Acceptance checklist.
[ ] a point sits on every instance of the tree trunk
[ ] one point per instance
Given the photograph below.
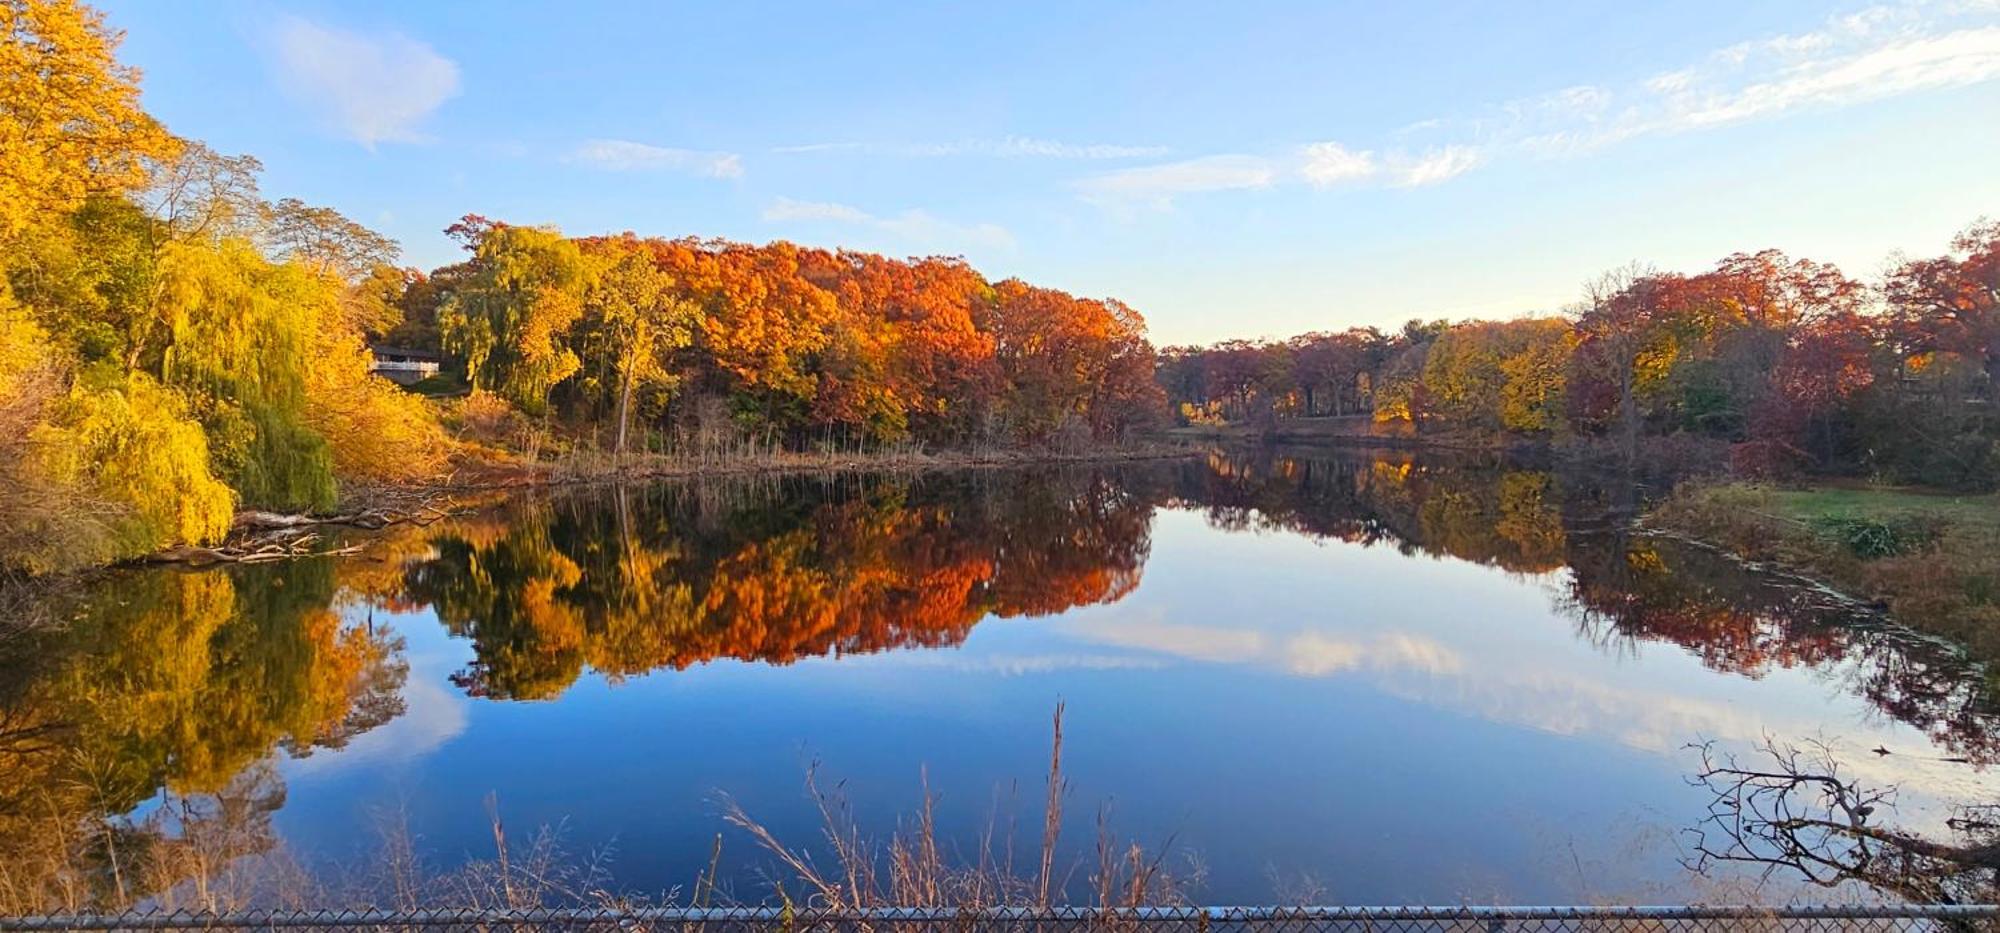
(624, 411)
(1628, 414)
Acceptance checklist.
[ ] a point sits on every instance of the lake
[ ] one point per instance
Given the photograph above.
(1347, 678)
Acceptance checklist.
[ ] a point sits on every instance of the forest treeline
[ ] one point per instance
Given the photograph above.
(1790, 362)
(174, 346)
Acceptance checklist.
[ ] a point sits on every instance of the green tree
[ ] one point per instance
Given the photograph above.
(636, 322)
(509, 319)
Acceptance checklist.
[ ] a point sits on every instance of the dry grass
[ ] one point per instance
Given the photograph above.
(910, 868)
(585, 464)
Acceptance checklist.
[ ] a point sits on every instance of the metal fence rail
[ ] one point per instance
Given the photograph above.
(1887, 919)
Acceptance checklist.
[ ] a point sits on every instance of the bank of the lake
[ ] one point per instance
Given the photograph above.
(1931, 559)
(594, 467)
(259, 535)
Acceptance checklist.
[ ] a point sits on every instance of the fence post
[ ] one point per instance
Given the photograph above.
(1496, 924)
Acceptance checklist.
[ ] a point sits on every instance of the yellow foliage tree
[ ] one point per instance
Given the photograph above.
(377, 431)
(70, 122)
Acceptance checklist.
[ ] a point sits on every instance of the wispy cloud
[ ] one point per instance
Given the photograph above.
(372, 88)
(624, 155)
(1009, 147)
(1879, 52)
(911, 228)
(1329, 164)
(1434, 166)
(1160, 184)
(1321, 165)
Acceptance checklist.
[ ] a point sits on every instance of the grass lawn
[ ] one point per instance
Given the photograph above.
(1884, 504)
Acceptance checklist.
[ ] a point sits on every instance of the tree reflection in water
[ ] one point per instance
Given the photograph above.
(671, 576)
(137, 742)
(172, 690)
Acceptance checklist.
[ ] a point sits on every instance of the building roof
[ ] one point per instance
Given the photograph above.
(410, 352)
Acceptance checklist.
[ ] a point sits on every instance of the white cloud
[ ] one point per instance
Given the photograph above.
(1434, 166)
(785, 209)
(1005, 147)
(1160, 184)
(1889, 69)
(912, 227)
(372, 88)
(1305, 653)
(1310, 654)
(1877, 53)
(623, 155)
(1328, 164)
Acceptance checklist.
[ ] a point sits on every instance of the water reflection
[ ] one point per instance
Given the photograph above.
(1622, 587)
(145, 726)
(668, 577)
(148, 735)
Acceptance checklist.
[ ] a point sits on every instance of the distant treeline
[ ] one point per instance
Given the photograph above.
(1792, 363)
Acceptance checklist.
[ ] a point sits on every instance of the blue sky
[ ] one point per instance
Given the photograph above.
(1228, 169)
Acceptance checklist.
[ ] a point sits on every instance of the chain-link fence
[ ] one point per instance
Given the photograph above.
(1886, 919)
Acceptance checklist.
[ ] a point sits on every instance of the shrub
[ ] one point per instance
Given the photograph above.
(488, 420)
(1872, 539)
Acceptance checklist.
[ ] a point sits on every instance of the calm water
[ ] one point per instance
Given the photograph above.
(1406, 681)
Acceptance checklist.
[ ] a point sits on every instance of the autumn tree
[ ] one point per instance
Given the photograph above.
(1951, 304)
(325, 240)
(510, 318)
(1622, 341)
(70, 122)
(1495, 376)
(908, 340)
(1068, 364)
(636, 319)
(761, 326)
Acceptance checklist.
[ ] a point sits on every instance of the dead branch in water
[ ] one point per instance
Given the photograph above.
(259, 536)
(257, 553)
(418, 511)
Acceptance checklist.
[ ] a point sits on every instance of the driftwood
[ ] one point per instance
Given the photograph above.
(259, 536)
(250, 552)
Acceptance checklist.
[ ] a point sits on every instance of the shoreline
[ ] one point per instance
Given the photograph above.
(1924, 559)
(607, 469)
(260, 536)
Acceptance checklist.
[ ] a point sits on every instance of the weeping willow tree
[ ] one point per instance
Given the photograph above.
(508, 321)
(241, 335)
(135, 471)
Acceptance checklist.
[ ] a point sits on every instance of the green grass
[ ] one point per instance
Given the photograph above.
(1884, 504)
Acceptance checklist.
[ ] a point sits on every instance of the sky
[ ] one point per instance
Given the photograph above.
(1254, 169)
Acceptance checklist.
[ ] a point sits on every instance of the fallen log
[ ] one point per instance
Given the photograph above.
(422, 512)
